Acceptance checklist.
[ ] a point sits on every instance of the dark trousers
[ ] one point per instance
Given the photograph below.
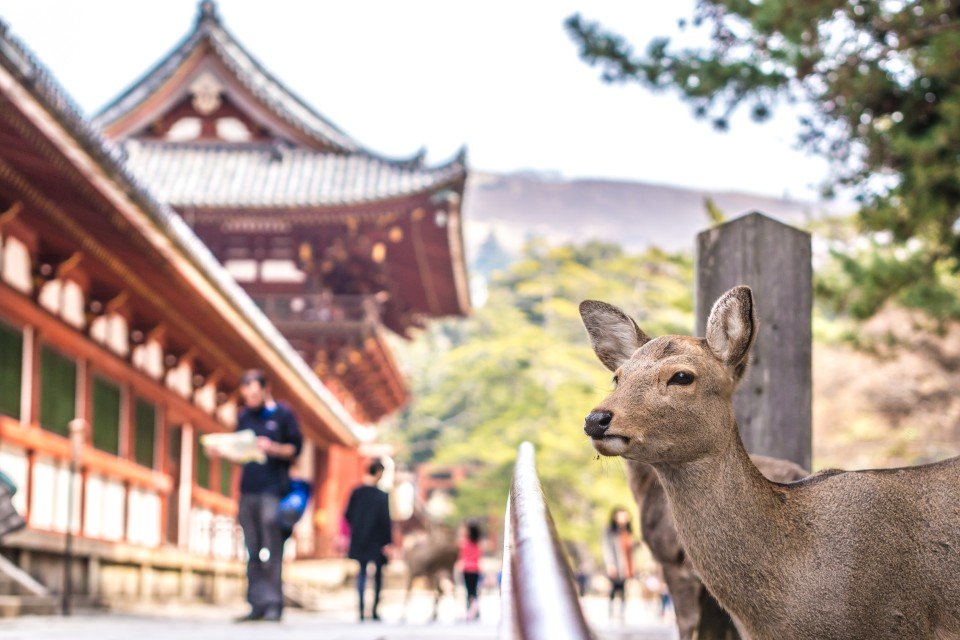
(618, 587)
(471, 580)
(258, 518)
(377, 583)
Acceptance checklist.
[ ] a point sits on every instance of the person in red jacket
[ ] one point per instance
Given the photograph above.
(469, 560)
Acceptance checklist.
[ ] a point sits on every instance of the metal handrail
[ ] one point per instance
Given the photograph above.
(538, 600)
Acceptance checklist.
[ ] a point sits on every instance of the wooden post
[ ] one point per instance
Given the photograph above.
(773, 404)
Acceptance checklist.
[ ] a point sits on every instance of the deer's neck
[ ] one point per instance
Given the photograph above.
(728, 516)
(641, 475)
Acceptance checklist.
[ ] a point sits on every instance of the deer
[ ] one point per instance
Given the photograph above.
(872, 553)
(432, 556)
(698, 615)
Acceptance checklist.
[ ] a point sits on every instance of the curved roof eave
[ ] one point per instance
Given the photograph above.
(267, 176)
(273, 94)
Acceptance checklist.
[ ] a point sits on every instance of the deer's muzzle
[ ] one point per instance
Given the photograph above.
(596, 423)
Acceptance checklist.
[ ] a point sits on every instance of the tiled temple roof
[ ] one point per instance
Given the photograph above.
(279, 99)
(274, 175)
(337, 170)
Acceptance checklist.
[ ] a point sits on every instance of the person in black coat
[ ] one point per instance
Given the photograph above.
(368, 514)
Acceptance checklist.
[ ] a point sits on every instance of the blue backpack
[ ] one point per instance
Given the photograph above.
(293, 505)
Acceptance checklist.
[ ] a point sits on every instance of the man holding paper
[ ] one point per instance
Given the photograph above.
(262, 485)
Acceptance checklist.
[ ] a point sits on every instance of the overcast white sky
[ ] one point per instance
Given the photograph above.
(501, 77)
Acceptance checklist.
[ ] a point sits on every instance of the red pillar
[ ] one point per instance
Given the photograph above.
(338, 470)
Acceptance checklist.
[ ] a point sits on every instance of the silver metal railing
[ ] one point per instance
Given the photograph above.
(537, 597)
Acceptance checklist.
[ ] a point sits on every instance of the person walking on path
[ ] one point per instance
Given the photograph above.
(618, 548)
(368, 514)
(262, 486)
(469, 560)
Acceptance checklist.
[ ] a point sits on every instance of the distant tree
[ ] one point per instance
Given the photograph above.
(714, 213)
(492, 256)
(879, 81)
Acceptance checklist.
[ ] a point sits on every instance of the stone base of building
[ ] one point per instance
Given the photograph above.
(108, 573)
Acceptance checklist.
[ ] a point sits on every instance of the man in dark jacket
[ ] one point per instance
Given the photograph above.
(261, 488)
(368, 514)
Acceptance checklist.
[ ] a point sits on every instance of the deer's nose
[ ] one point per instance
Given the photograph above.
(596, 423)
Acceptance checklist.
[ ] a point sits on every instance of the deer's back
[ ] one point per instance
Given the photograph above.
(880, 547)
(431, 556)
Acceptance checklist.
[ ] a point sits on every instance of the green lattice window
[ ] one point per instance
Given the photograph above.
(226, 477)
(202, 466)
(106, 415)
(11, 369)
(58, 391)
(145, 432)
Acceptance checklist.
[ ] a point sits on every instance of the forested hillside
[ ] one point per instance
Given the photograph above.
(520, 369)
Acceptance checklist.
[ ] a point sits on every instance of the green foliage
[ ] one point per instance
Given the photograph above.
(866, 271)
(880, 82)
(714, 213)
(522, 369)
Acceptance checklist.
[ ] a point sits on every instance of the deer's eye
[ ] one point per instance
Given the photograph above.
(683, 378)
(616, 380)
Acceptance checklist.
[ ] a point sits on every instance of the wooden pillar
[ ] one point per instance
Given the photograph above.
(25, 560)
(184, 497)
(147, 580)
(84, 411)
(93, 576)
(331, 490)
(220, 589)
(126, 437)
(188, 588)
(773, 404)
(30, 405)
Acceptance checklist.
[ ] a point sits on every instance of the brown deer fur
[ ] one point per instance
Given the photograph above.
(433, 557)
(695, 617)
(871, 554)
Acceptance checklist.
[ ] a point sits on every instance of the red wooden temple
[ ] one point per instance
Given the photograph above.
(332, 240)
(122, 244)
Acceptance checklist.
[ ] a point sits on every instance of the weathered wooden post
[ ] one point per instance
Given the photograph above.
(773, 404)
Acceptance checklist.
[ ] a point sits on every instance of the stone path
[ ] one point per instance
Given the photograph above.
(338, 623)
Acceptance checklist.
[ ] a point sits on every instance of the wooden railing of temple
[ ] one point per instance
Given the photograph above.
(538, 600)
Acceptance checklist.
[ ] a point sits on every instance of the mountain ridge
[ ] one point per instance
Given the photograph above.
(635, 214)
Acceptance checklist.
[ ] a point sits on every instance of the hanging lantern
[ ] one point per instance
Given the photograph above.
(379, 252)
(395, 234)
(305, 253)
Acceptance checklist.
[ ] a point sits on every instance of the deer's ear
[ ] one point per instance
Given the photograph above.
(732, 328)
(613, 334)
